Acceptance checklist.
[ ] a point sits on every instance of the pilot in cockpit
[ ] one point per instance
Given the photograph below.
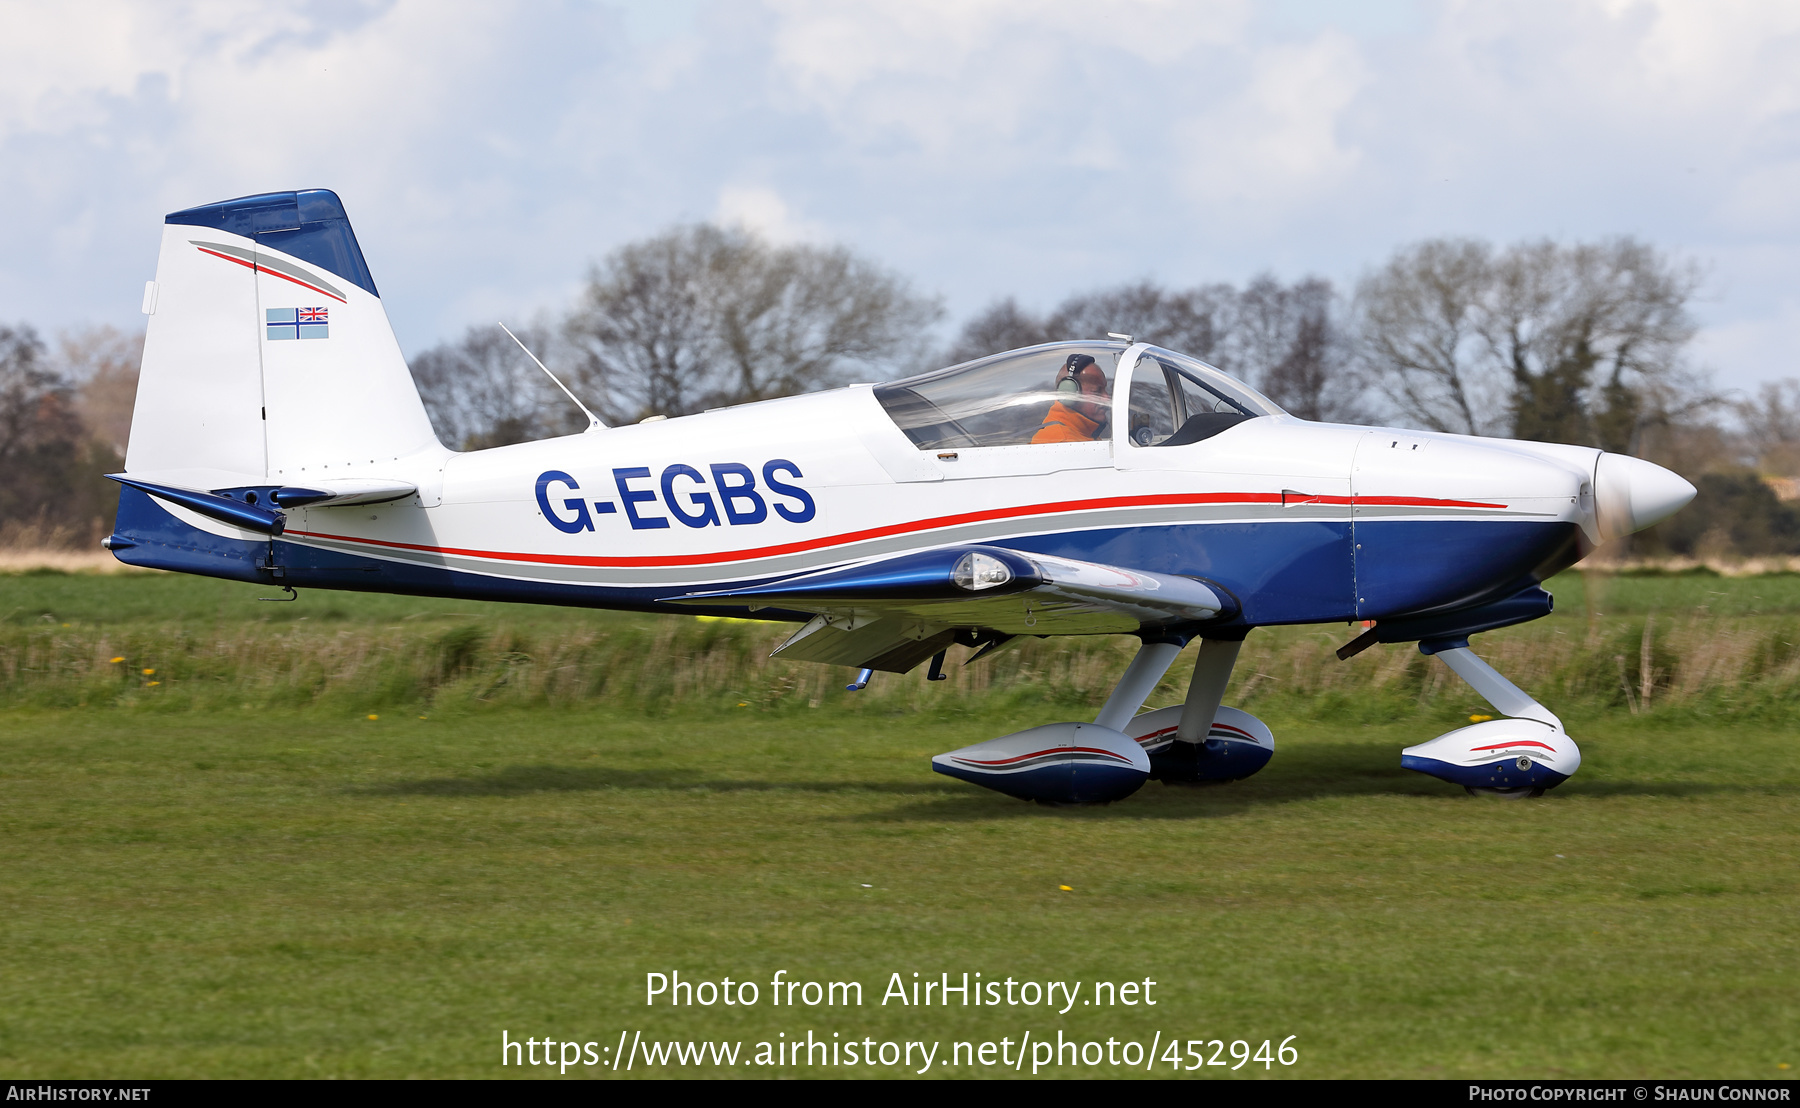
(1073, 418)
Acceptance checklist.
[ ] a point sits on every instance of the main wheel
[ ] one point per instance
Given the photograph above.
(1522, 792)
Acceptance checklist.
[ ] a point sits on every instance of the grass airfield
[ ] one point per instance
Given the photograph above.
(211, 884)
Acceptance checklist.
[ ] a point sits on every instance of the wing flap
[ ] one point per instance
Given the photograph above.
(890, 645)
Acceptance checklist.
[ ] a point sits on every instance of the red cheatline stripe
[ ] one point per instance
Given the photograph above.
(272, 273)
(1522, 742)
(874, 532)
(1042, 753)
(1226, 727)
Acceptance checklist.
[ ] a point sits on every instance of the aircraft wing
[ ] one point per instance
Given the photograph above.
(893, 613)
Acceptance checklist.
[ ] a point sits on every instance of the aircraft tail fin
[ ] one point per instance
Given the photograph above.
(269, 358)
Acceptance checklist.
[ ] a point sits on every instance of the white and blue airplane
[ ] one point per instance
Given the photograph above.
(1082, 488)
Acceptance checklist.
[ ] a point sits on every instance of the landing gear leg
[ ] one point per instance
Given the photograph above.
(1212, 672)
(1202, 741)
(1507, 698)
(1139, 681)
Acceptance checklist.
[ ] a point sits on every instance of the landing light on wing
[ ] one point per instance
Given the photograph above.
(977, 571)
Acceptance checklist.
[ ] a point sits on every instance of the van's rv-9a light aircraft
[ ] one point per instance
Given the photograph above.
(278, 438)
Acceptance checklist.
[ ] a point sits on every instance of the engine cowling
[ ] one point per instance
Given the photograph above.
(1504, 755)
(1060, 763)
(1236, 746)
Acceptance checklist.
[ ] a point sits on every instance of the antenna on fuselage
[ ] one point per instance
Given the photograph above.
(593, 420)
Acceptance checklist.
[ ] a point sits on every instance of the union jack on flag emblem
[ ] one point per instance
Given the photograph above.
(298, 323)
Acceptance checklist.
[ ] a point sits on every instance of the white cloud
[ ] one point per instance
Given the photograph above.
(957, 76)
(488, 151)
(1278, 141)
(764, 211)
(62, 64)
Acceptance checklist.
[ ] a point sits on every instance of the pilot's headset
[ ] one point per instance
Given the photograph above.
(1068, 383)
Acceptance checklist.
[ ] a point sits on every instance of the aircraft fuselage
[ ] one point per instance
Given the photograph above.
(1300, 522)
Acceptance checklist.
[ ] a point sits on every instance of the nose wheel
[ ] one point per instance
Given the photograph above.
(1521, 793)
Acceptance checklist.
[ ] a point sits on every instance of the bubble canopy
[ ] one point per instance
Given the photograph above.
(1010, 399)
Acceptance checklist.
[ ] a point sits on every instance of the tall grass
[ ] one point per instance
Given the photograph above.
(1669, 665)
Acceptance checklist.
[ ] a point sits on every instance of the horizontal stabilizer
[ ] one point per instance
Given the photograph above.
(213, 506)
(336, 493)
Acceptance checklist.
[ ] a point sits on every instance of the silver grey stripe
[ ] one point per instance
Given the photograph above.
(262, 259)
(1397, 511)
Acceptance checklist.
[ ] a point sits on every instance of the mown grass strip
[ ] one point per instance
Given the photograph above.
(295, 895)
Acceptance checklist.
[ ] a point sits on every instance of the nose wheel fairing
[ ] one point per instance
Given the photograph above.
(1526, 753)
(1498, 754)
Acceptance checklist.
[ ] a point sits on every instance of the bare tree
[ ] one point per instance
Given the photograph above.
(1771, 427)
(1003, 325)
(1588, 333)
(644, 329)
(481, 390)
(1194, 321)
(53, 491)
(102, 365)
(1287, 341)
(1282, 338)
(1577, 344)
(798, 318)
(1264, 326)
(1417, 320)
(702, 316)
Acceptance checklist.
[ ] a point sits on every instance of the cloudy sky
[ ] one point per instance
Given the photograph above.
(488, 152)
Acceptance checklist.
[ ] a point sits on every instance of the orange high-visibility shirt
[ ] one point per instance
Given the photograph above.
(1065, 424)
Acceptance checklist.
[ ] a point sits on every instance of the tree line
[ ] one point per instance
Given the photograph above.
(1582, 344)
(65, 415)
(698, 317)
(1585, 343)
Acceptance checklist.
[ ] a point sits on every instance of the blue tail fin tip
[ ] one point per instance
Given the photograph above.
(309, 224)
